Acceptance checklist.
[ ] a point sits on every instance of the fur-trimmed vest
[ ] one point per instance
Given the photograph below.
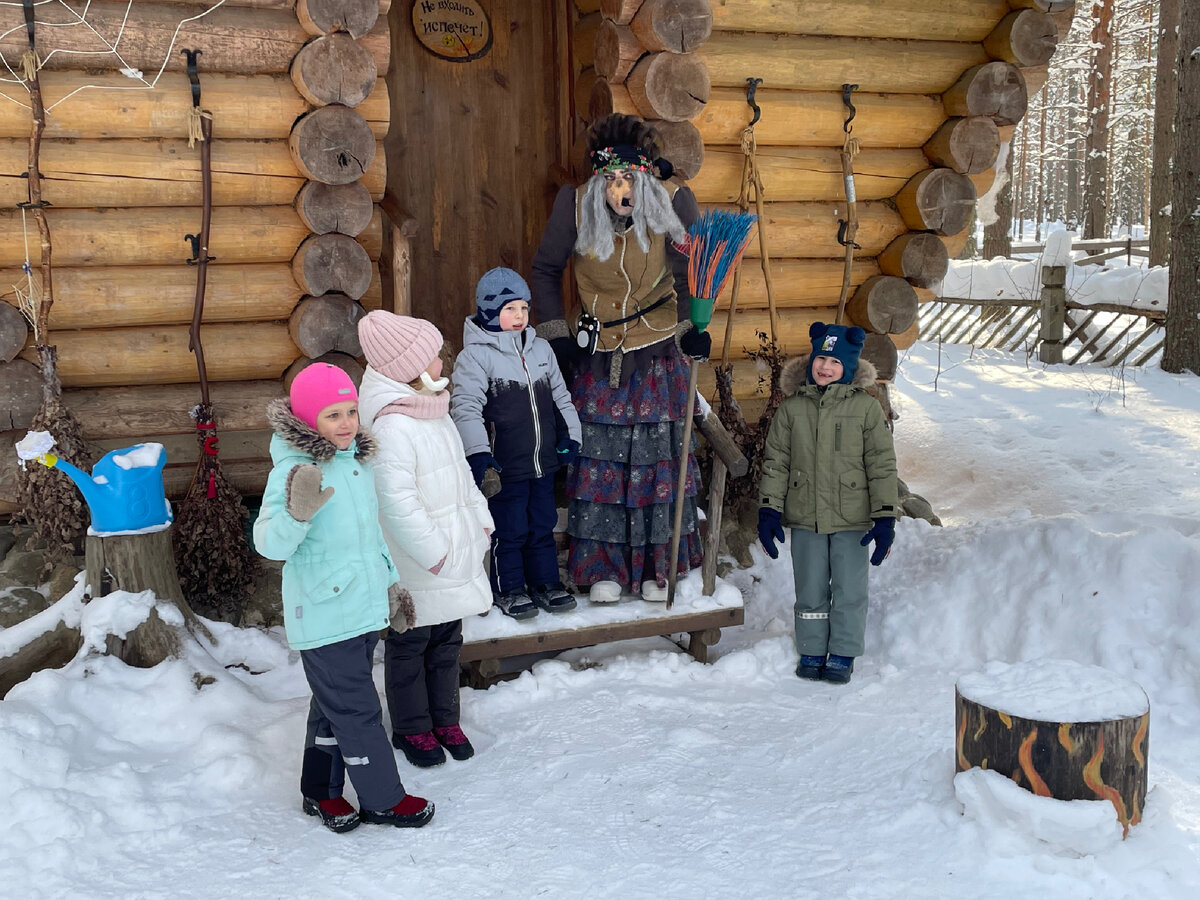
(829, 463)
(336, 568)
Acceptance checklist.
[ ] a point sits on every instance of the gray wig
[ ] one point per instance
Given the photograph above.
(652, 213)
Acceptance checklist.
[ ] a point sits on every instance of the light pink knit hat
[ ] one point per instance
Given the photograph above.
(398, 347)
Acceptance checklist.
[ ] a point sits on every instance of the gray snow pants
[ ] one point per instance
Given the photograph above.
(345, 727)
(831, 592)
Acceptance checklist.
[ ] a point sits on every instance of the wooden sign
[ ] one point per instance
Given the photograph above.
(458, 30)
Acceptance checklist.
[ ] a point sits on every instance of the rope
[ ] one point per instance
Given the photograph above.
(30, 63)
(848, 227)
(196, 117)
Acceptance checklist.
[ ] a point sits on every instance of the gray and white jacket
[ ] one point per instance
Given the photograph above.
(510, 400)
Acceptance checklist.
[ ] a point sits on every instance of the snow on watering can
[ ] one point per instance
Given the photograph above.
(125, 490)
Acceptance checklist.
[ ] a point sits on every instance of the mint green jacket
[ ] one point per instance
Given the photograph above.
(336, 568)
(829, 463)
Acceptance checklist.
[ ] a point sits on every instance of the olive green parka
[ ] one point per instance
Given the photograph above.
(829, 463)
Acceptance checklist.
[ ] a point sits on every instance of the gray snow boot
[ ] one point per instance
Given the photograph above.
(516, 605)
(552, 597)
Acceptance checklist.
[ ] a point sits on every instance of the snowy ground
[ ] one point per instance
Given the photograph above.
(1070, 499)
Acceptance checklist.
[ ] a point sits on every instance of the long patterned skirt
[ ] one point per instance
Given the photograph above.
(622, 489)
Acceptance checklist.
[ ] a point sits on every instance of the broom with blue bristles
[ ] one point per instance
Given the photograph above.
(716, 242)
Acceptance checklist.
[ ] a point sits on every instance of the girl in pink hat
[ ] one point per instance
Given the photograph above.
(437, 526)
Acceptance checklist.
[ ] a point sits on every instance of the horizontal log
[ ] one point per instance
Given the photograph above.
(983, 181)
(968, 145)
(384, 5)
(1025, 37)
(325, 208)
(583, 40)
(328, 322)
(796, 282)
(183, 450)
(125, 413)
(806, 173)
(937, 200)
(907, 338)
(809, 230)
(334, 68)
(332, 144)
(671, 86)
(323, 16)
(682, 145)
(807, 63)
(247, 476)
(884, 304)
(749, 379)
(677, 26)
(21, 388)
(801, 119)
(14, 330)
(955, 243)
(607, 98)
(617, 49)
(149, 35)
(259, 107)
(880, 351)
(125, 356)
(332, 262)
(793, 329)
(995, 89)
(917, 256)
(83, 173)
(155, 236)
(619, 11)
(947, 20)
(112, 297)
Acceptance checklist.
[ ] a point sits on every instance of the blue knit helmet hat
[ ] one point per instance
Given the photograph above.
(839, 341)
(497, 288)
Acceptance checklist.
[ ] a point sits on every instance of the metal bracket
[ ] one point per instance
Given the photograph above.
(751, 87)
(193, 76)
(847, 90)
(194, 240)
(841, 238)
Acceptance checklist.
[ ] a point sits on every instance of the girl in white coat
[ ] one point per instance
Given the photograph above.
(437, 527)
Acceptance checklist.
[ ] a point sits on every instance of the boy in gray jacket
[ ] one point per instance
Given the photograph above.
(514, 413)
(829, 473)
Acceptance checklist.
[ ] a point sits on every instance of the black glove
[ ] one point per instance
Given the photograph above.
(883, 532)
(770, 530)
(480, 463)
(568, 451)
(567, 352)
(696, 344)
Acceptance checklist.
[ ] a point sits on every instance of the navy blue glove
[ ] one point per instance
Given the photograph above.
(568, 451)
(696, 344)
(883, 532)
(770, 530)
(480, 463)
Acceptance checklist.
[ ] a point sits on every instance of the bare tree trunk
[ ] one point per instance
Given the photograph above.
(1039, 208)
(1182, 349)
(997, 237)
(1164, 135)
(1099, 103)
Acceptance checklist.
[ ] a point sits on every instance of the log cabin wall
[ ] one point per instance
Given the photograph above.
(299, 109)
(940, 84)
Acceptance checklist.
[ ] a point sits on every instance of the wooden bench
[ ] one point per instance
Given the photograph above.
(490, 639)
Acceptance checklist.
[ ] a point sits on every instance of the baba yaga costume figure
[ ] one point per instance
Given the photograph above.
(829, 474)
(437, 527)
(319, 516)
(514, 413)
(625, 229)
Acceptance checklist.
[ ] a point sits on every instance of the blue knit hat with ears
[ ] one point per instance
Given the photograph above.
(839, 341)
(497, 288)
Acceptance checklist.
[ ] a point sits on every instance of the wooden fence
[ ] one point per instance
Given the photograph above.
(1053, 326)
(1099, 251)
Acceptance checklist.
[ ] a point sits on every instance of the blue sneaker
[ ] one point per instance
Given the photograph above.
(837, 669)
(810, 667)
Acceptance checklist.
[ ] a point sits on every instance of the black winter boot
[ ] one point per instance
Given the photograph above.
(837, 669)
(336, 813)
(516, 605)
(411, 812)
(552, 598)
(422, 750)
(810, 667)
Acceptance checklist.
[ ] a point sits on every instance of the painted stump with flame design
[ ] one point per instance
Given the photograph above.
(1058, 729)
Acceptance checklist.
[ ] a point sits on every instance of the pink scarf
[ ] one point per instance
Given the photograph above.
(419, 406)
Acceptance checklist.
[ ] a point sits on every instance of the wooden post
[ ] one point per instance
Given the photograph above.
(1053, 313)
(712, 540)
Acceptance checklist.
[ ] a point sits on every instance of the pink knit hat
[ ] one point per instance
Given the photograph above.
(398, 347)
(318, 386)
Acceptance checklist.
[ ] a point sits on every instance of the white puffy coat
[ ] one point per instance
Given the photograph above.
(429, 506)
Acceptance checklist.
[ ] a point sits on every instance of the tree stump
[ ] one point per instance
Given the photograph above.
(136, 563)
(1059, 729)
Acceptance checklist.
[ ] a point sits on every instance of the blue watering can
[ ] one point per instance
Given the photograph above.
(125, 490)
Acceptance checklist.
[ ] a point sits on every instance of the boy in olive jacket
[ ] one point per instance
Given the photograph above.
(829, 474)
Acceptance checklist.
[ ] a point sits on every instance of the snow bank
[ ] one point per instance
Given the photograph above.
(1013, 279)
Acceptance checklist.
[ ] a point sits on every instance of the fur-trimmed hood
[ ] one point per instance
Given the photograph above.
(303, 438)
(795, 374)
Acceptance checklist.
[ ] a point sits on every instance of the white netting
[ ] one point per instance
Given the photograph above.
(59, 14)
